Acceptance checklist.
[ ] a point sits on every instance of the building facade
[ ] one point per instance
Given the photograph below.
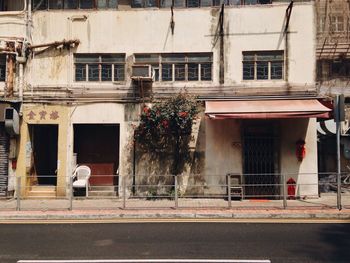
(333, 76)
(75, 71)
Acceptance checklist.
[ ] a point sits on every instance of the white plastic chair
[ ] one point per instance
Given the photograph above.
(82, 174)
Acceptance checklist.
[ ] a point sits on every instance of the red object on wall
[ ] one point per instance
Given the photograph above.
(14, 164)
(300, 150)
(291, 188)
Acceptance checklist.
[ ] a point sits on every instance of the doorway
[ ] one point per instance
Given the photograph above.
(44, 142)
(97, 146)
(261, 159)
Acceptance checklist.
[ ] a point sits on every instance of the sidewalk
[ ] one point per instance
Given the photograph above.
(135, 209)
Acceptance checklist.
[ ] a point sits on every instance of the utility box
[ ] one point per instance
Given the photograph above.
(11, 121)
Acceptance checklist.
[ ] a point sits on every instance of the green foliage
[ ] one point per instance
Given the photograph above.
(166, 127)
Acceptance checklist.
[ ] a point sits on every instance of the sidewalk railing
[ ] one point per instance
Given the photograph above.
(182, 191)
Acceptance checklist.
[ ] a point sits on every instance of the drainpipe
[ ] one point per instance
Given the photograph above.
(222, 56)
(134, 167)
(21, 61)
(286, 32)
(29, 21)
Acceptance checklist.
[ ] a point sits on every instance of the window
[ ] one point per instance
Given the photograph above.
(321, 24)
(144, 3)
(263, 65)
(337, 23)
(99, 67)
(103, 4)
(340, 68)
(193, 3)
(11, 5)
(73, 4)
(2, 67)
(178, 66)
(333, 69)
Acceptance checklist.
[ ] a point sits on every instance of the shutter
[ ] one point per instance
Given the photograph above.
(4, 154)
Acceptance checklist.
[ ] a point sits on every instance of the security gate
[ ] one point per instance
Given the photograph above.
(4, 154)
(260, 155)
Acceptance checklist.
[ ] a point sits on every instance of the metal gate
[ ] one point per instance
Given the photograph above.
(4, 154)
(261, 161)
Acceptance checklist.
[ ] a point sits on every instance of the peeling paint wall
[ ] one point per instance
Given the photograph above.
(149, 32)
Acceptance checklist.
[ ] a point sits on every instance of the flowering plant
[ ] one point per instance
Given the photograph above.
(167, 126)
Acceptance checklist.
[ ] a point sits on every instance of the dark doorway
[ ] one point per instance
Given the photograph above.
(44, 140)
(261, 158)
(97, 145)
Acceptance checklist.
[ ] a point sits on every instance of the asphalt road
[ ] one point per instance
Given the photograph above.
(274, 241)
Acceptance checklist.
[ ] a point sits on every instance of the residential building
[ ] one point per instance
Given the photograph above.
(333, 76)
(77, 74)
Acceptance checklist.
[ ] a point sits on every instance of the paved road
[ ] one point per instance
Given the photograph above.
(274, 241)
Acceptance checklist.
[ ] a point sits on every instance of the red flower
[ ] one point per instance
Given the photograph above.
(183, 114)
(147, 111)
(165, 124)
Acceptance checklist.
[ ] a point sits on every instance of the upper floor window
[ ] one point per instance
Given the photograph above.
(337, 23)
(2, 67)
(193, 3)
(263, 65)
(73, 4)
(99, 67)
(321, 24)
(333, 69)
(12, 5)
(176, 66)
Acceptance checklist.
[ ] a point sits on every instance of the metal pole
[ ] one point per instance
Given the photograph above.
(337, 119)
(124, 193)
(229, 191)
(18, 194)
(176, 197)
(70, 193)
(284, 188)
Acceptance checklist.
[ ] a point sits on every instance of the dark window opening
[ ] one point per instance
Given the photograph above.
(333, 69)
(11, 5)
(2, 67)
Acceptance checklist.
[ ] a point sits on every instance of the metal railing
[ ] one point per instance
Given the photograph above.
(181, 191)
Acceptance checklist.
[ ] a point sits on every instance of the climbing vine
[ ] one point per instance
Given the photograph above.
(166, 128)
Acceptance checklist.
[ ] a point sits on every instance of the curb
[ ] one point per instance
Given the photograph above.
(183, 216)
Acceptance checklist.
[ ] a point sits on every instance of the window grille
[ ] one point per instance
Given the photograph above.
(178, 66)
(263, 65)
(99, 67)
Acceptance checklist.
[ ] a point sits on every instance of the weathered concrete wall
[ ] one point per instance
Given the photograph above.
(151, 34)
(305, 172)
(223, 153)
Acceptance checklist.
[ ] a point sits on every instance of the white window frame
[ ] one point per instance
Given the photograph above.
(186, 62)
(100, 63)
(269, 62)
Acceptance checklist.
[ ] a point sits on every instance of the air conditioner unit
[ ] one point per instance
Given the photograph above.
(11, 121)
(142, 79)
(142, 71)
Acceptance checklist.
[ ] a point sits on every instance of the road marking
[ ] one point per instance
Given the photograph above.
(149, 261)
(174, 220)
